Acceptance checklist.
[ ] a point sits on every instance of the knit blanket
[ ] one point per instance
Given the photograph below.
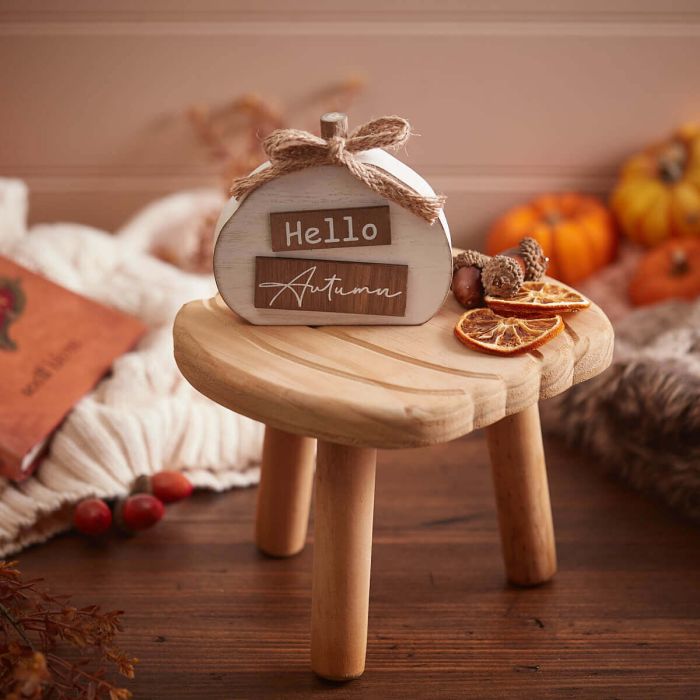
(144, 417)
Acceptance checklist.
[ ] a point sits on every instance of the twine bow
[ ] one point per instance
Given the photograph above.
(290, 150)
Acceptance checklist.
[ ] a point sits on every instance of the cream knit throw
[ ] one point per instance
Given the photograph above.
(145, 416)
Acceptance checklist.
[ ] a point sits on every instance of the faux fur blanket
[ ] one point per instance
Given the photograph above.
(144, 417)
(642, 416)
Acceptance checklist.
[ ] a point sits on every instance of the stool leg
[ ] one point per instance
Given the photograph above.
(522, 497)
(342, 554)
(284, 495)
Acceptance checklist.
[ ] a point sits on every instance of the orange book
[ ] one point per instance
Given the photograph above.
(55, 345)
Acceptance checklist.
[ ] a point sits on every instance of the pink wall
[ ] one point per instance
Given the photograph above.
(510, 97)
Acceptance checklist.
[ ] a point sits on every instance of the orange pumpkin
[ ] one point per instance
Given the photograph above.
(575, 231)
(670, 271)
(658, 193)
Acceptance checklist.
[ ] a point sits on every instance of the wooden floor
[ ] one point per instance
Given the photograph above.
(211, 618)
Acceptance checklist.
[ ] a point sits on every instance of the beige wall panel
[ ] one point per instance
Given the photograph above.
(509, 98)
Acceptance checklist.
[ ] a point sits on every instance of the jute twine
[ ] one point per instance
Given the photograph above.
(290, 150)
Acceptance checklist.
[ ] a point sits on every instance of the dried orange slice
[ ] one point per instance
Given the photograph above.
(482, 329)
(539, 299)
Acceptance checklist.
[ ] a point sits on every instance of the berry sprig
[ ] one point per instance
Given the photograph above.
(142, 509)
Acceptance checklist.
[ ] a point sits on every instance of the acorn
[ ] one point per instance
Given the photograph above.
(530, 257)
(466, 278)
(504, 274)
(475, 274)
(467, 287)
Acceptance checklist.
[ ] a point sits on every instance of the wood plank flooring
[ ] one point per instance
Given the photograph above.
(211, 618)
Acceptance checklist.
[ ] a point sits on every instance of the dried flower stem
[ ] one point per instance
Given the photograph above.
(232, 133)
(8, 616)
(35, 627)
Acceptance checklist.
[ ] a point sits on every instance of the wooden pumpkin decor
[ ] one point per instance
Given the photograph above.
(576, 233)
(334, 230)
(658, 193)
(670, 271)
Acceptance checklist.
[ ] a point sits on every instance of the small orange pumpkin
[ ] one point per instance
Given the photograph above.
(670, 271)
(576, 233)
(658, 193)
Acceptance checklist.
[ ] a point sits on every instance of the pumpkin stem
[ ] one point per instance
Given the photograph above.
(552, 218)
(672, 162)
(679, 262)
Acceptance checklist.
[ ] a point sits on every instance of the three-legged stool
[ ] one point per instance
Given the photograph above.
(360, 388)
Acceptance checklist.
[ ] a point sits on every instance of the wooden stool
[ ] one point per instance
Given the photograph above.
(359, 388)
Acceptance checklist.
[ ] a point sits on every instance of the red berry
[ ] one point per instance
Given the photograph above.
(170, 486)
(140, 511)
(92, 516)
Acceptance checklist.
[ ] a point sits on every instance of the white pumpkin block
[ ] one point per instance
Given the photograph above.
(318, 247)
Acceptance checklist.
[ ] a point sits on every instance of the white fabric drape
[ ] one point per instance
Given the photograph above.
(144, 417)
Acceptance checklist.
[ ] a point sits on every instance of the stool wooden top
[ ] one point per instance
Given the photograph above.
(377, 386)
